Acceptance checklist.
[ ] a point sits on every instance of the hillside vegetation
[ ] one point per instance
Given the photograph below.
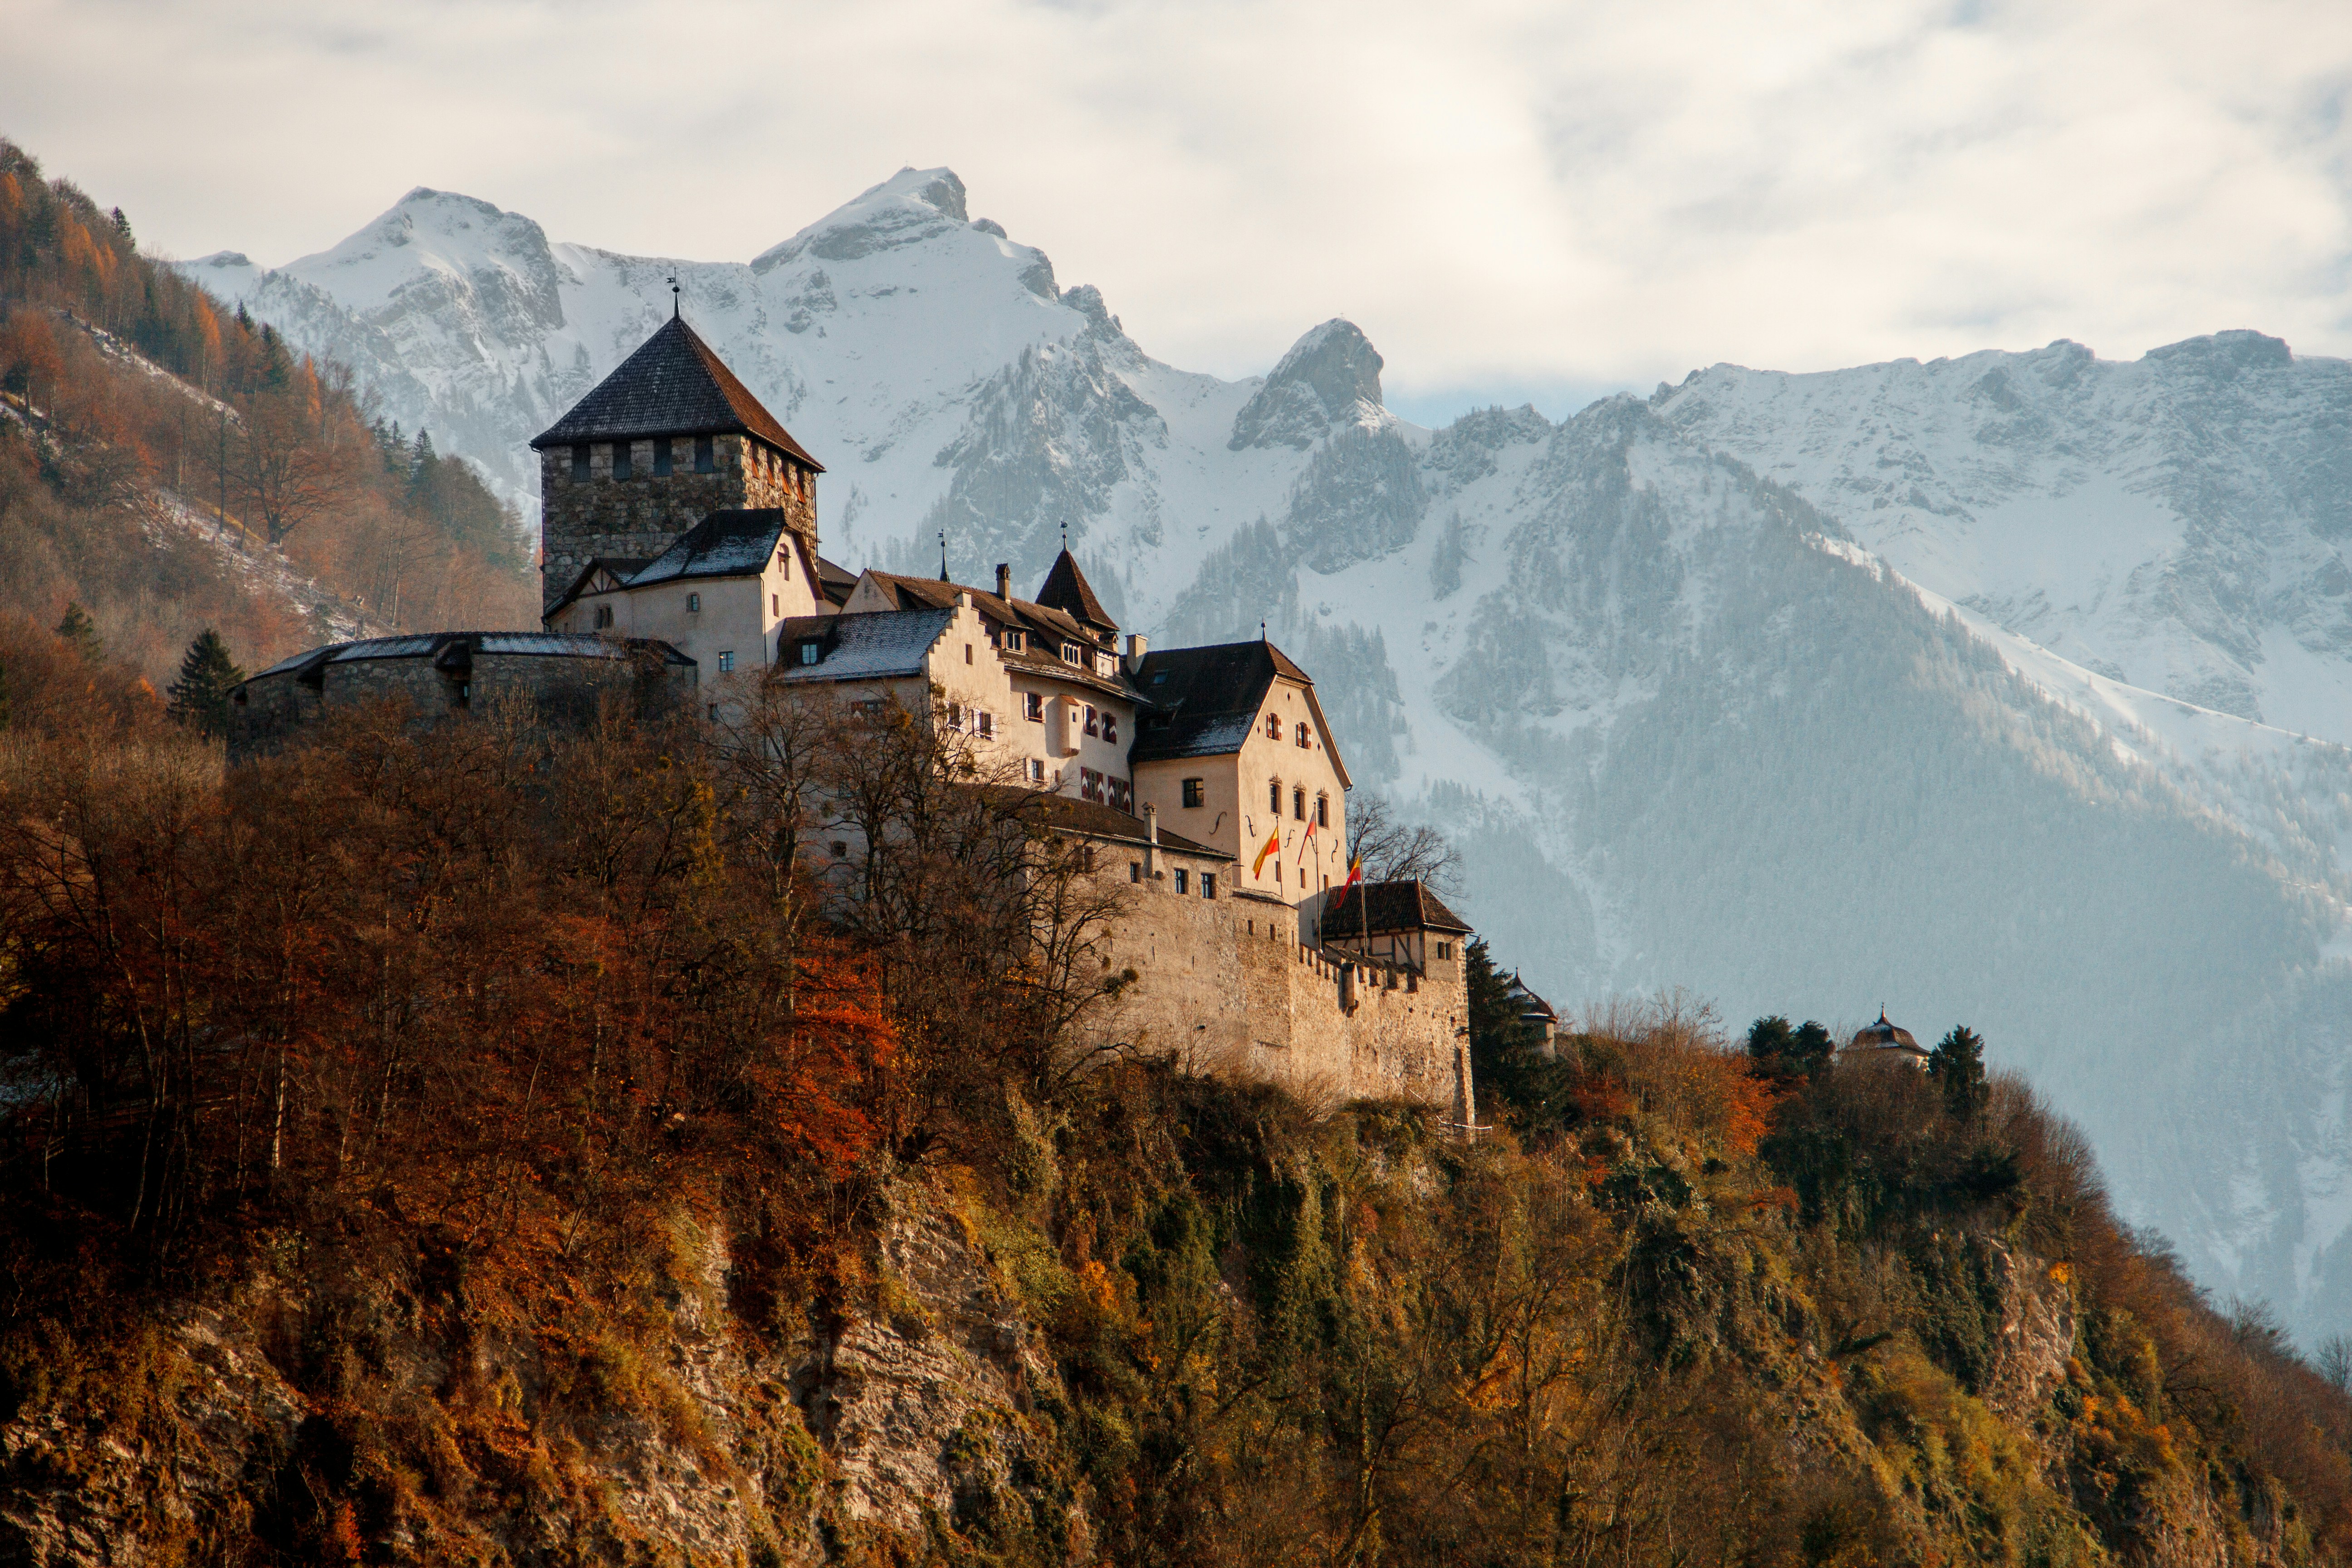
(475, 1145)
(168, 466)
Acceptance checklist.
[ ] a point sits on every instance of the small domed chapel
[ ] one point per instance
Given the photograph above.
(679, 545)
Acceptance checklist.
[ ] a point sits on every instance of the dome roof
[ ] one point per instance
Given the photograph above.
(1884, 1037)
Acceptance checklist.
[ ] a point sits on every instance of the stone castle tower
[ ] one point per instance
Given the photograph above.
(661, 444)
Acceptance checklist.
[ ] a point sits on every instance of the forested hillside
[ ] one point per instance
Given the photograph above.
(167, 466)
(475, 1145)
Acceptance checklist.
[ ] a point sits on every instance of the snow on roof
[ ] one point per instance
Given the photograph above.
(384, 647)
(724, 544)
(865, 647)
(575, 644)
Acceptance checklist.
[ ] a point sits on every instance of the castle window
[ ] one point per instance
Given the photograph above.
(810, 650)
(1072, 653)
(1196, 793)
(1086, 858)
(775, 605)
(661, 457)
(1444, 950)
(1208, 884)
(1111, 726)
(1036, 772)
(1302, 742)
(714, 713)
(1322, 811)
(1094, 725)
(1032, 707)
(1015, 641)
(621, 470)
(726, 660)
(1273, 796)
(465, 694)
(1299, 804)
(1122, 795)
(986, 725)
(1134, 871)
(603, 617)
(580, 463)
(784, 563)
(694, 603)
(1274, 726)
(1180, 880)
(706, 461)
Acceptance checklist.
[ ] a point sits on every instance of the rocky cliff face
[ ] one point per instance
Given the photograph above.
(1773, 686)
(690, 1435)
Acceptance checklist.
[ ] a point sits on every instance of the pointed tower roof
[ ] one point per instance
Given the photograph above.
(675, 384)
(1066, 590)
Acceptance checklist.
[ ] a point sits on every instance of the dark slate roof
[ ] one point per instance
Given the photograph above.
(1885, 1036)
(1069, 813)
(1204, 700)
(1388, 906)
(1066, 590)
(1530, 1004)
(675, 384)
(456, 651)
(882, 646)
(723, 544)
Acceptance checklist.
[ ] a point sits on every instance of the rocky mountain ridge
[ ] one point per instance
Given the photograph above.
(2012, 689)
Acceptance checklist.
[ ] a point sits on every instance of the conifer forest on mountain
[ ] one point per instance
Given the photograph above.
(485, 1144)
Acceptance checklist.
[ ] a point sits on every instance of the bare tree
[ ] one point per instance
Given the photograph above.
(288, 461)
(1394, 852)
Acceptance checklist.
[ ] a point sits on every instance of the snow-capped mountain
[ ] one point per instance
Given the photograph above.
(2010, 690)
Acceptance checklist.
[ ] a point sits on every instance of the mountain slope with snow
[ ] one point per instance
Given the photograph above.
(2011, 689)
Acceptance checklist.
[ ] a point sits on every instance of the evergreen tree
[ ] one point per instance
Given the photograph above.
(1507, 1070)
(1957, 1065)
(80, 633)
(1777, 1051)
(123, 227)
(200, 696)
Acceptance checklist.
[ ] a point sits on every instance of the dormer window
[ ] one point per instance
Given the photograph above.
(1015, 640)
(621, 470)
(706, 458)
(810, 650)
(1073, 655)
(580, 463)
(661, 457)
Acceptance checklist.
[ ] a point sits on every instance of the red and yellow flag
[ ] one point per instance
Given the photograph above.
(1355, 870)
(1273, 846)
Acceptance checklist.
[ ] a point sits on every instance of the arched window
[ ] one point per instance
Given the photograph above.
(1298, 805)
(1322, 811)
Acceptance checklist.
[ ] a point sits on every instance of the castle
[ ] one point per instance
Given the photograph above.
(679, 546)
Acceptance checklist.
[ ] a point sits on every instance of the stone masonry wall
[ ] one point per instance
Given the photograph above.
(1227, 987)
(641, 516)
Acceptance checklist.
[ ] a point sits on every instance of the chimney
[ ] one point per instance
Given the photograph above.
(964, 600)
(1151, 840)
(1137, 646)
(1004, 581)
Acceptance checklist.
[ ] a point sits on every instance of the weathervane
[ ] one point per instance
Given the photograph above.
(943, 555)
(673, 296)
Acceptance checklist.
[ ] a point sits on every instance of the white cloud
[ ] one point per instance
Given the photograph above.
(1503, 195)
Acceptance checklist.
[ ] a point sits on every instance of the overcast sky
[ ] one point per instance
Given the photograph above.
(1513, 199)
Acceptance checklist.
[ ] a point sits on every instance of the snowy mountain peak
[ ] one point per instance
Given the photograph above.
(2226, 354)
(910, 207)
(1330, 377)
